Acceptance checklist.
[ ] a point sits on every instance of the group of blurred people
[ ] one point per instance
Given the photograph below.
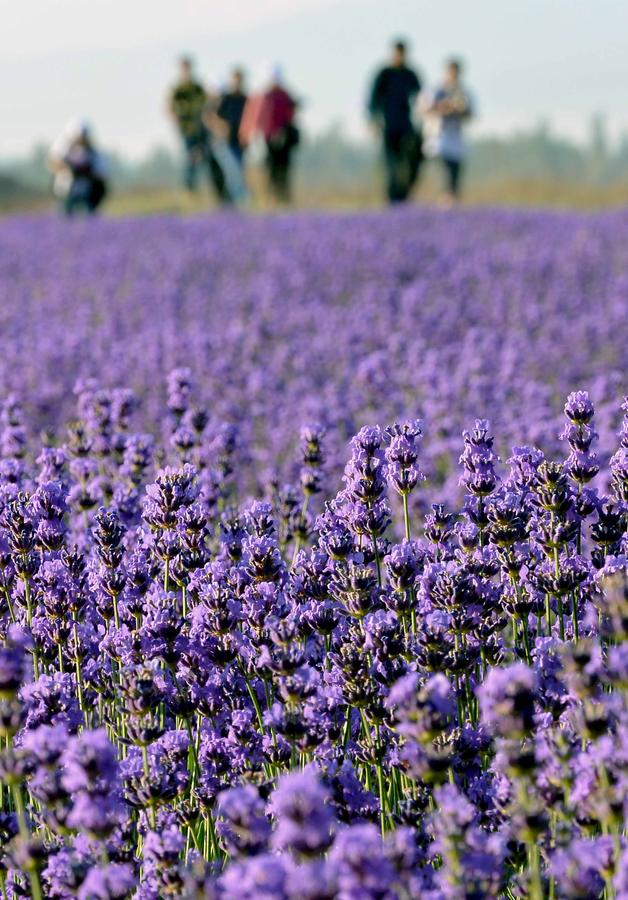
(216, 128)
(417, 122)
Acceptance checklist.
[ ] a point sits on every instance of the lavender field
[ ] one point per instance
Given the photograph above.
(313, 557)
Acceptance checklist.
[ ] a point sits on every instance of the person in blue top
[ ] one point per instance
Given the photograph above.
(446, 111)
(393, 95)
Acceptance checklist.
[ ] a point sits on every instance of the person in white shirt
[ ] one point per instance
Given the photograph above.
(446, 111)
(79, 170)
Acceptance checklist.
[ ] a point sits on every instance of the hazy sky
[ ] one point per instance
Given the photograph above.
(110, 61)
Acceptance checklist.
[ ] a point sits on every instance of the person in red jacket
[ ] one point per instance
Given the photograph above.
(271, 113)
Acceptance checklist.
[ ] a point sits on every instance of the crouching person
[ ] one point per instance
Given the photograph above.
(79, 170)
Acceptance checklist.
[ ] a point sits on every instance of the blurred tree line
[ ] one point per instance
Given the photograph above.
(334, 162)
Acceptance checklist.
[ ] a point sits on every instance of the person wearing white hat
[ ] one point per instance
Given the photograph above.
(79, 169)
(271, 113)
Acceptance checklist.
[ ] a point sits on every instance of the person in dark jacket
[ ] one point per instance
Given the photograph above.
(231, 110)
(393, 95)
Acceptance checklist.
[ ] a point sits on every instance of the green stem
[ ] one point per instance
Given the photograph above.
(7, 595)
(406, 516)
(383, 800)
(29, 620)
(561, 618)
(297, 542)
(116, 616)
(33, 875)
(79, 677)
(559, 601)
(377, 562)
(574, 615)
(151, 811)
(526, 641)
(534, 862)
(196, 768)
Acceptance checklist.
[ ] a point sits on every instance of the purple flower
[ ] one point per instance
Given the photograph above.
(422, 712)
(300, 804)
(13, 663)
(90, 763)
(223, 673)
(578, 869)
(95, 814)
(507, 699)
(258, 878)
(579, 408)
(362, 866)
(246, 829)
(112, 882)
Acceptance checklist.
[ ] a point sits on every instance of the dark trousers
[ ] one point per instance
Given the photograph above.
(198, 156)
(403, 156)
(278, 161)
(453, 171)
(86, 193)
